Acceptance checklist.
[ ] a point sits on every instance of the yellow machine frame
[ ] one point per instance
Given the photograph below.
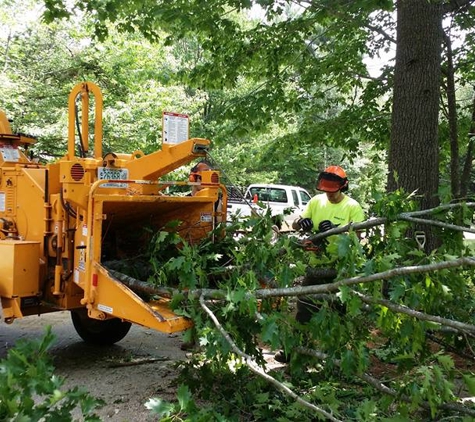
(55, 220)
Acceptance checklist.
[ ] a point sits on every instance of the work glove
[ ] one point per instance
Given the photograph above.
(306, 224)
(325, 225)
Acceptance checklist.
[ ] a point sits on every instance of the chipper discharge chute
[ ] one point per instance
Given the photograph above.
(61, 222)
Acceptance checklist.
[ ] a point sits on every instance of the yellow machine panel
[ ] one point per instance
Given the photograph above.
(19, 268)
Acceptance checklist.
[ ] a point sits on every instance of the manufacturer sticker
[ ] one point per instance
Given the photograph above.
(105, 308)
(206, 217)
(107, 173)
(10, 153)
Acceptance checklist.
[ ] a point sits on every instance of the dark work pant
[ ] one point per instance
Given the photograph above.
(306, 305)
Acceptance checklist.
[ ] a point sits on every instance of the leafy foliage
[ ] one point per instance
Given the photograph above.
(357, 329)
(29, 390)
(257, 136)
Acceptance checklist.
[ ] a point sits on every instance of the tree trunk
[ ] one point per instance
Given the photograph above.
(467, 168)
(414, 150)
(452, 118)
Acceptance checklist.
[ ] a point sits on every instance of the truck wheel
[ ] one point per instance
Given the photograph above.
(101, 333)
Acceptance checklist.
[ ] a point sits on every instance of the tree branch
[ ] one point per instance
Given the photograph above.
(440, 208)
(259, 371)
(385, 275)
(381, 32)
(437, 223)
(456, 5)
(373, 222)
(374, 382)
(457, 325)
(378, 385)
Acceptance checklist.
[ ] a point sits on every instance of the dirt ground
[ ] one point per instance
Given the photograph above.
(125, 375)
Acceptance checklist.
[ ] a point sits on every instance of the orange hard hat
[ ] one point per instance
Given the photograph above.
(332, 179)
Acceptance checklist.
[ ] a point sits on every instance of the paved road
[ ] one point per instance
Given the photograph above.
(104, 371)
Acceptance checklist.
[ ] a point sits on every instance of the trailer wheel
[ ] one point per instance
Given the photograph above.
(101, 333)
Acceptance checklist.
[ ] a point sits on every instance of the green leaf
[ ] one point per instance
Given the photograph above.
(159, 407)
(446, 361)
(397, 291)
(348, 362)
(177, 263)
(26, 374)
(470, 383)
(270, 332)
(238, 296)
(354, 305)
(344, 246)
(367, 410)
(386, 262)
(184, 396)
(397, 419)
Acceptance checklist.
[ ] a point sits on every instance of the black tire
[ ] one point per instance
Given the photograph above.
(100, 333)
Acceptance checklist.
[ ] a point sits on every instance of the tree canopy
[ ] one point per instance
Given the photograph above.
(296, 75)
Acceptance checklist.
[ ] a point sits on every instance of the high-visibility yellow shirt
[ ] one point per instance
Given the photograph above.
(319, 208)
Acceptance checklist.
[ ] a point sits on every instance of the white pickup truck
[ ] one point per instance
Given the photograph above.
(276, 197)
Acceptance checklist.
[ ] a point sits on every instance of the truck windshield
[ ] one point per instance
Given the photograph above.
(269, 194)
(304, 196)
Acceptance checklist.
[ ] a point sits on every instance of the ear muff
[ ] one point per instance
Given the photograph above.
(344, 188)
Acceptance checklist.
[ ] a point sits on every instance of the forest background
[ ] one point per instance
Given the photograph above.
(282, 93)
(264, 127)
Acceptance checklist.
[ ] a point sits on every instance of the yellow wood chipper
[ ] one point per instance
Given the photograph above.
(59, 222)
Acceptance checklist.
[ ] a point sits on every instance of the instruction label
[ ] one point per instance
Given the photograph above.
(175, 127)
(82, 258)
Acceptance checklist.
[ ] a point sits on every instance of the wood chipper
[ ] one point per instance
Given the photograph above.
(59, 221)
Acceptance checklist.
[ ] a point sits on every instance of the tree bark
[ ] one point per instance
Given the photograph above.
(452, 118)
(465, 183)
(414, 150)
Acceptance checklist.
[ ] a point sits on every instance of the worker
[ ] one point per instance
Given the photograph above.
(332, 208)
(195, 175)
(325, 211)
